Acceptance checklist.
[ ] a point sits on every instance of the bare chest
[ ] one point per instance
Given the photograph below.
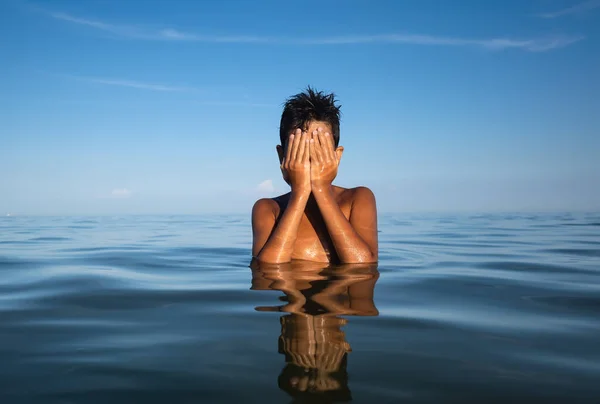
(313, 242)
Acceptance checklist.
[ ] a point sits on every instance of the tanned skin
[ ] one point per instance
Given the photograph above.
(316, 221)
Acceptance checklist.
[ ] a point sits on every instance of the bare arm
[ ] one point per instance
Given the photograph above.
(276, 245)
(355, 239)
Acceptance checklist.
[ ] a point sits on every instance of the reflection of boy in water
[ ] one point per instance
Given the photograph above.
(311, 339)
(315, 352)
(316, 220)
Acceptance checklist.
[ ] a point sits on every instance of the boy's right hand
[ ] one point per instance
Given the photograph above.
(296, 165)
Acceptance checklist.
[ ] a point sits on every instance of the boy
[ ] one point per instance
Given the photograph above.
(316, 221)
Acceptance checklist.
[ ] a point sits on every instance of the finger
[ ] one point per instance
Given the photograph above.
(322, 139)
(330, 147)
(297, 136)
(290, 143)
(306, 156)
(324, 145)
(318, 151)
(322, 134)
(303, 384)
(317, 135)
(312, 361)
(311, 150)
(301, 148)
(324, 151)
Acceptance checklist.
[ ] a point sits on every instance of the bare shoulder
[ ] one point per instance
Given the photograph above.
(265, 207)
(358, 196)
(269, 206)
(363, 212)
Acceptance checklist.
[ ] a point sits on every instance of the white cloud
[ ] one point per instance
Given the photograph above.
(120, 30)
(132, 84)
(138, 32)
(266, 187)
(578, 8)
(169, 34)
(165, 88)
(121, 193)
(532, 45)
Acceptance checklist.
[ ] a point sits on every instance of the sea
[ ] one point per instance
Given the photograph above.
(171, 309)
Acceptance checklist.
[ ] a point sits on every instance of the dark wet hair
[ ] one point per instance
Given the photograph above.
(310, 105)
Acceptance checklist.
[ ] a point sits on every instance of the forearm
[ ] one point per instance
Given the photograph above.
(280, 245)
(350, 247)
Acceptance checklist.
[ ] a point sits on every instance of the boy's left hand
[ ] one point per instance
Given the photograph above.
(323, 160)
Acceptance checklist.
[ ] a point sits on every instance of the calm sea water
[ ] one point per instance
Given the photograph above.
(166, 309)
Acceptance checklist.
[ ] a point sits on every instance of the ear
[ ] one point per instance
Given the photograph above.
(338, 152)
(280, 153)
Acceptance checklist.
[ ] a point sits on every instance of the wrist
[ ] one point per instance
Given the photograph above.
(321, 187)
(300, 193)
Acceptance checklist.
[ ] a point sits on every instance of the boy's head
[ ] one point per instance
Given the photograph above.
(306, 107)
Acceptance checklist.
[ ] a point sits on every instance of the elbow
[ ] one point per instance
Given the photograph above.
(271, 259)
(367, 258)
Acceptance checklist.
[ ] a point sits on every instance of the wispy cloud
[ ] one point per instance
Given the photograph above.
(132, 84)
(266, 187)
(120, 30)
(578, 8)
(533, 45)
(117, 193)
(121, 193)
(137, 32)
(140, 32)
(207, 99)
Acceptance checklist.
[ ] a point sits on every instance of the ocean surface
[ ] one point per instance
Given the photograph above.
(170, 309)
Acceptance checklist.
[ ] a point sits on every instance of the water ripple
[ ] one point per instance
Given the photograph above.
(164, 308)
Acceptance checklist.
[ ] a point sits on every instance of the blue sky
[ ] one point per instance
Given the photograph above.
(111, 107)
